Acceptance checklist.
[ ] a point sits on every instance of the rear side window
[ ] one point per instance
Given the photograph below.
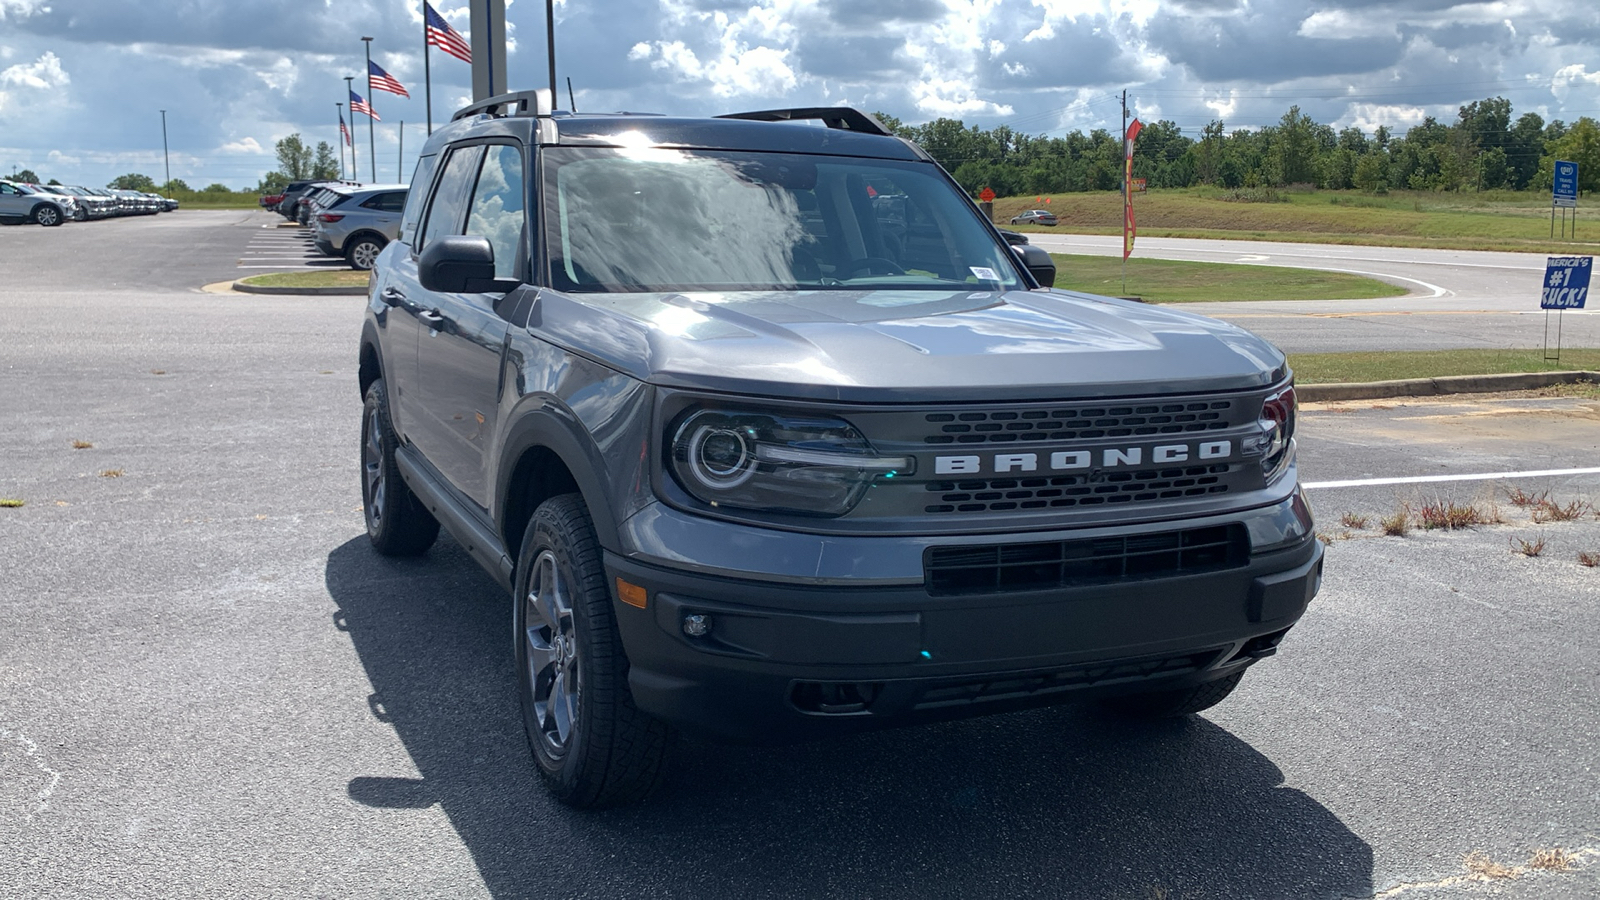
(446, 208)
(498, 206)
(420, 182)
(392, 201)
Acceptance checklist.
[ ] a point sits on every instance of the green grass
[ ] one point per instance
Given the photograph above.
(1176, 281)
(331, 278)
(1493, 220)
(1335, 368)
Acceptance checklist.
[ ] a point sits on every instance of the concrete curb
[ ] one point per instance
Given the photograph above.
(1431, 387)
(354, 290)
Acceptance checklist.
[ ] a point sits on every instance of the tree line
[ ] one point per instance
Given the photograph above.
(1482, 150)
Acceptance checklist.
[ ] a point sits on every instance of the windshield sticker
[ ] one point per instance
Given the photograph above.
(984, 274)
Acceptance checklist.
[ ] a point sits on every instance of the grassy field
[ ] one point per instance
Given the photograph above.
(1335, 368)
(329, 278)
(1493, 220)
(1175, 281)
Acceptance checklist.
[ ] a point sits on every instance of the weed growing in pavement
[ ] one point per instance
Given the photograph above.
(1549, 511)
(1353, 520)
(1553, 859)
(111, 473)
(1478, 863)
(81, 445)
(1397, 525)
(1585, 558)
(1449, 515)
(1526, 547)
(11, 502)
(1522, 499)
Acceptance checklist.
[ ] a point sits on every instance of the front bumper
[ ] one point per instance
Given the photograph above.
(787, 661)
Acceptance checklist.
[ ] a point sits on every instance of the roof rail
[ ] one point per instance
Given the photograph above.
(521, 103)
(841, 117)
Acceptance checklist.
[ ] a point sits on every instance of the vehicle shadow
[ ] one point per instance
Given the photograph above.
(1049, 803)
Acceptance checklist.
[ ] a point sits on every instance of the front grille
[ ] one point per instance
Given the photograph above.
(998, 568)
(1083, 422)
(1032, 684)
(1063, 491)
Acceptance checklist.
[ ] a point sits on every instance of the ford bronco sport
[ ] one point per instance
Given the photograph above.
(770, 435)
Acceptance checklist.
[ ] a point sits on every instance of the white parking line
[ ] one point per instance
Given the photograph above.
(1428, 479)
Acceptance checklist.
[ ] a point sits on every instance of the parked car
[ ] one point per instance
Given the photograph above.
(751, 470)
(360, 224)
(291, 194)
(271, 201)
(1035, 217)
(22, 203)
(94, 205)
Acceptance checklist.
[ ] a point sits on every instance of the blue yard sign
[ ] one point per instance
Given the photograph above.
(1566, 281)
(1565, 189)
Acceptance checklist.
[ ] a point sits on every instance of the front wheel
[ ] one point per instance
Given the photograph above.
(47, 215)
(1168, 704)
(593, 746)
(397, 522)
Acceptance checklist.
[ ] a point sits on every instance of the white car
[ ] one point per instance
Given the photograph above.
(20, 203)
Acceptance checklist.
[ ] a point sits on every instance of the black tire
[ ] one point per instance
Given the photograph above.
(397, 523)
(48, 214)
(594, 748)
(363, 252)
(1168, 704)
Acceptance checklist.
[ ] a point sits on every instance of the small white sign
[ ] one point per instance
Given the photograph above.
(984, 274)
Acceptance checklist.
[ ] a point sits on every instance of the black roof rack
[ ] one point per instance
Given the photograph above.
(521, 103)
(841, 117)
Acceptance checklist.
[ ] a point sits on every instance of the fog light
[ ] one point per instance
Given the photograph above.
(696, 625)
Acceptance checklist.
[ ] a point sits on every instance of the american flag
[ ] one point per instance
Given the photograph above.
(343, 131)
(358, 105)
(383, 81)
(441, 35)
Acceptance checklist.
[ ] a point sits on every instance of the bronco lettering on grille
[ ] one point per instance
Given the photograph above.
(1075, 460)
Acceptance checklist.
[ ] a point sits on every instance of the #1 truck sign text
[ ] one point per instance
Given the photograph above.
(1566, 282)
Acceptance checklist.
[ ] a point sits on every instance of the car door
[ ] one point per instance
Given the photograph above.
(460, 354)
(13, 204)
(401, 290)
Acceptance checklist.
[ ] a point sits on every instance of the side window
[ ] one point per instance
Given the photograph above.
(498, 206)
(391, 201)
(419, 191)
(446, 207)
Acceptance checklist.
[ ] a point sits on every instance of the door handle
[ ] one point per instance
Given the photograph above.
(393, 296)
(430, 318)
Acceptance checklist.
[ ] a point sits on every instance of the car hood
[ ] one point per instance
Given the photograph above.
(908, 346)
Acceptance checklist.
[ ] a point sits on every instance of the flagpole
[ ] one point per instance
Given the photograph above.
(400, 158)
(427, 73)
(354, 171)
(372, 139)
(341, 139)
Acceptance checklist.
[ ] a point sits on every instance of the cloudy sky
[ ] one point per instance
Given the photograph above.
(82, 81)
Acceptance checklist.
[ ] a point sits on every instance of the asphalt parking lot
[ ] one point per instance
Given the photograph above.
(210, 686)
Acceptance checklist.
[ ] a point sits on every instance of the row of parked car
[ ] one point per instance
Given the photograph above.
(50, 205)
(355, 221)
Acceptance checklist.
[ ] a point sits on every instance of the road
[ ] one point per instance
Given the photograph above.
(1459, 298)
(211, 686)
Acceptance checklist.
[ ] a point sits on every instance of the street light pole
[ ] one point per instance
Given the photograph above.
(354, 168)
(164, 156)
(372, 141)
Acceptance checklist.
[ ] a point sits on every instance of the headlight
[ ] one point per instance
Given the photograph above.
(779, 463)
(1277, 431)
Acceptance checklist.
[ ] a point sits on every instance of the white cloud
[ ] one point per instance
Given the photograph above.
(244, 145)
(1368, 116)
(952, 99)
(21, 9)
(1340, 24)
(41, 74)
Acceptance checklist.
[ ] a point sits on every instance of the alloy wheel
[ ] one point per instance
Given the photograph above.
(552, 654)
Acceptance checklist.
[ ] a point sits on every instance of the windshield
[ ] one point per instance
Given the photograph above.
(675, 220)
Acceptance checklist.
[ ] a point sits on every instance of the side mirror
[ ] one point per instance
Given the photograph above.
(459, 264)
(1038, 263)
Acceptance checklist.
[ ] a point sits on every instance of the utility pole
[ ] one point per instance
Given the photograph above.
(341, 138)
(354, 169)
(372, 140)
(164, 156)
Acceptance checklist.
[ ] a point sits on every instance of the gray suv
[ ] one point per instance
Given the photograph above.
(759, 458)
(359, 223)
(21, 203)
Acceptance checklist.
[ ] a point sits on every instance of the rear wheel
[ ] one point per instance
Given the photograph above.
(363, 253)
(47, 214)
(593, 746)
(1166, 704)
(397, 522)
